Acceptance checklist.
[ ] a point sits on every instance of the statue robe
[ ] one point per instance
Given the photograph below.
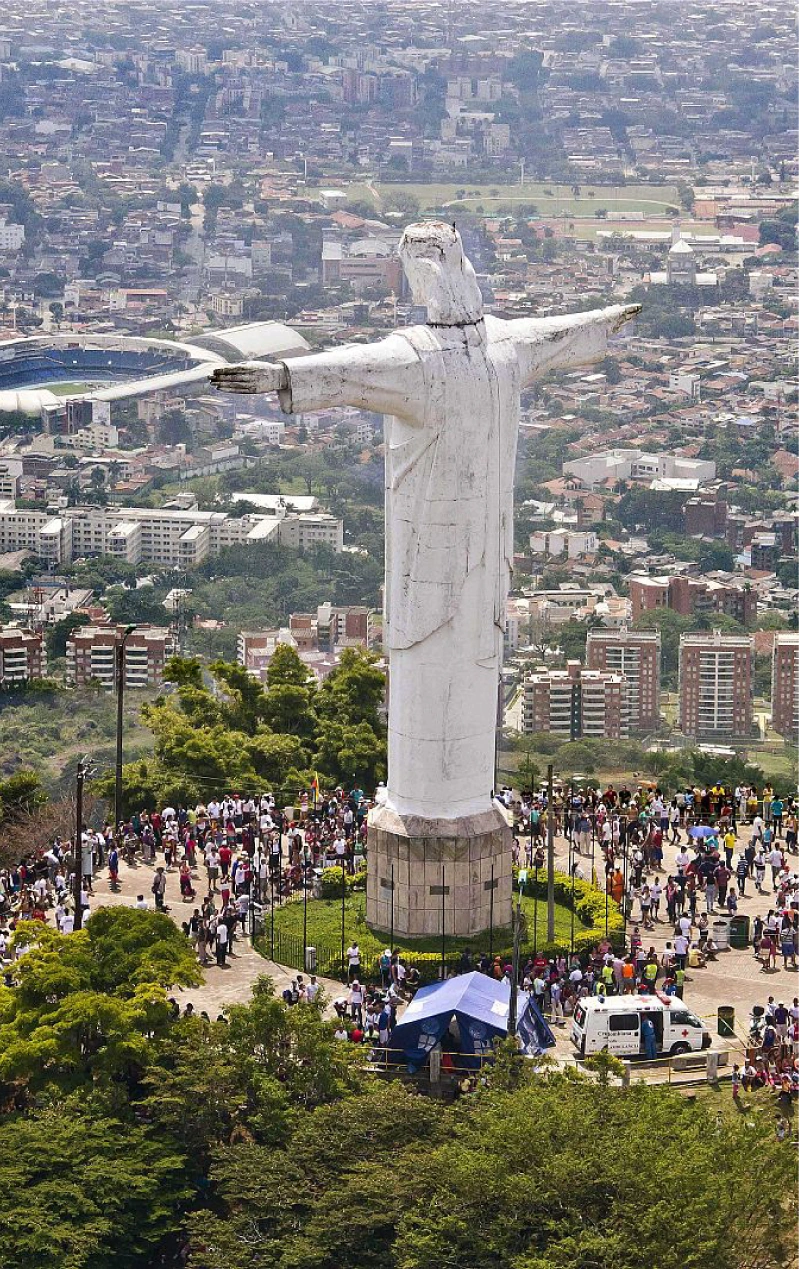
(451, 394)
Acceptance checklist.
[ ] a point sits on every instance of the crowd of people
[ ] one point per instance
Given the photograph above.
(233, 851)
(772, 1055)
(725, 839)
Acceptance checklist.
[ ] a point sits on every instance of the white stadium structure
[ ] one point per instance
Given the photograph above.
(109, 368)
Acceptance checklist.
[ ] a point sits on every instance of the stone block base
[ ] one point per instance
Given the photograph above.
(470, 858)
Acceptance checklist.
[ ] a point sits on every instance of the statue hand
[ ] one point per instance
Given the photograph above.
(250, 377)
(626, 313)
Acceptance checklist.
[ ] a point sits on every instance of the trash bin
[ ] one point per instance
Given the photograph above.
(726, 1021)
(720, 930)
(739, 932)
(310, 960)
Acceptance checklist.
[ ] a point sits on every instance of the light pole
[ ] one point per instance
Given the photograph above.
(550, 858)
(304, 909)
(343, 915)
(77, 879)
(120, 685)
(535, 910)
(571, 869)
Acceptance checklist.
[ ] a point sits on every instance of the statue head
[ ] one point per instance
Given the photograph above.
(439, 274)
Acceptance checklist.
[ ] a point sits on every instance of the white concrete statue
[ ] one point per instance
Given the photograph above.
(451, 390)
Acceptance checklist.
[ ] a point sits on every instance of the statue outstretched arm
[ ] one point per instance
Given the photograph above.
(386, 377)
(251, 377)
(542, 343)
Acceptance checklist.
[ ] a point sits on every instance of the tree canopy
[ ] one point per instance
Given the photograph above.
(259, 1141)
(240, 734)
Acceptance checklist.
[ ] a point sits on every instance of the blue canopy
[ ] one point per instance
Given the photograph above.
(480, 1006)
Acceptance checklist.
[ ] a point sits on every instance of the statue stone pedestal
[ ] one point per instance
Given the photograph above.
(469, 857)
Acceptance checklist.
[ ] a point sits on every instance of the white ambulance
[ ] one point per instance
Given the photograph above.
(613, 1024)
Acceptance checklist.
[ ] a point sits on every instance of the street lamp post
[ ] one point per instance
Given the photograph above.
(120, 686)
(571, 864)
(343, 915)
(550, 857)
(304, 908)
(535, 911)
(624, 891)
(77, 879)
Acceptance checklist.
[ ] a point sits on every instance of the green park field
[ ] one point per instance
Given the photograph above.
(551, 200)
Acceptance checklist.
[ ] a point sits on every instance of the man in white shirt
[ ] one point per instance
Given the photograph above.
(353, 961)
(681, 945)
(312, 990)
(775, 859)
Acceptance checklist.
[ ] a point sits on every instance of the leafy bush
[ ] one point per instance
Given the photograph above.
(330, 885)
(590, 906)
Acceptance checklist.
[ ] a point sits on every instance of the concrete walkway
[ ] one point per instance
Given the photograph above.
(229, 986)
(736, 978)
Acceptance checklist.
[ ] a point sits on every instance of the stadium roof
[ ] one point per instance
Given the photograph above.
(254, 340)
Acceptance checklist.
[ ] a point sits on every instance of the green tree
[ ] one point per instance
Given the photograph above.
(592, 1186)
(354, 690)
(58, 634)
(671, 625)
(286, 667)
(278, 759)
(21, 794)
(88, 1006)
(716, 555)
(184, 672)
(85, 1189)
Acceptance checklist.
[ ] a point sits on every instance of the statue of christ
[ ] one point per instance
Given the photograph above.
(451, 390)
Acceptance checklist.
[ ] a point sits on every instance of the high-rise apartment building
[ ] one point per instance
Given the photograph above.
(716, 685)
(785, 684)
(635, 654)
(23, 655)
(576, 702)
(91, 655)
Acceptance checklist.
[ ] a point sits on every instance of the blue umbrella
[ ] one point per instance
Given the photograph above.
(702, 830)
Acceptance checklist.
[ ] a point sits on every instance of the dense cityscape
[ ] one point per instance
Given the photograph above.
(253, 968)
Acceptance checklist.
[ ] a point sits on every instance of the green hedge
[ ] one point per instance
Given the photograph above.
(330, 884)
(589, 929)
(589, 908)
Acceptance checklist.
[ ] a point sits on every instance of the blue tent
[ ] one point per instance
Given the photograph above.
(480, 1007)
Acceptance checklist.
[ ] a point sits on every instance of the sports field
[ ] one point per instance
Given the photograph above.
(551, 200)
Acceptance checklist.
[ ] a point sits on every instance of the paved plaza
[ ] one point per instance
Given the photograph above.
(735, 978)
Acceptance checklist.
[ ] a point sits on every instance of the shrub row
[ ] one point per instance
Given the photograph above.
(330, 883)
(591, 907)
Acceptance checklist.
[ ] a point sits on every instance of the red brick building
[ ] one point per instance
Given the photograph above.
(716, 685)
(576, 702)
(692, 596)
(635, 654)
(23, 656)
(785, 684)
(91, 655)
(705, 515)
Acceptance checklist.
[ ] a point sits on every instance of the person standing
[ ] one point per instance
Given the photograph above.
(221, 944)
(212, 865)
(159, 888)
(353, 960)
